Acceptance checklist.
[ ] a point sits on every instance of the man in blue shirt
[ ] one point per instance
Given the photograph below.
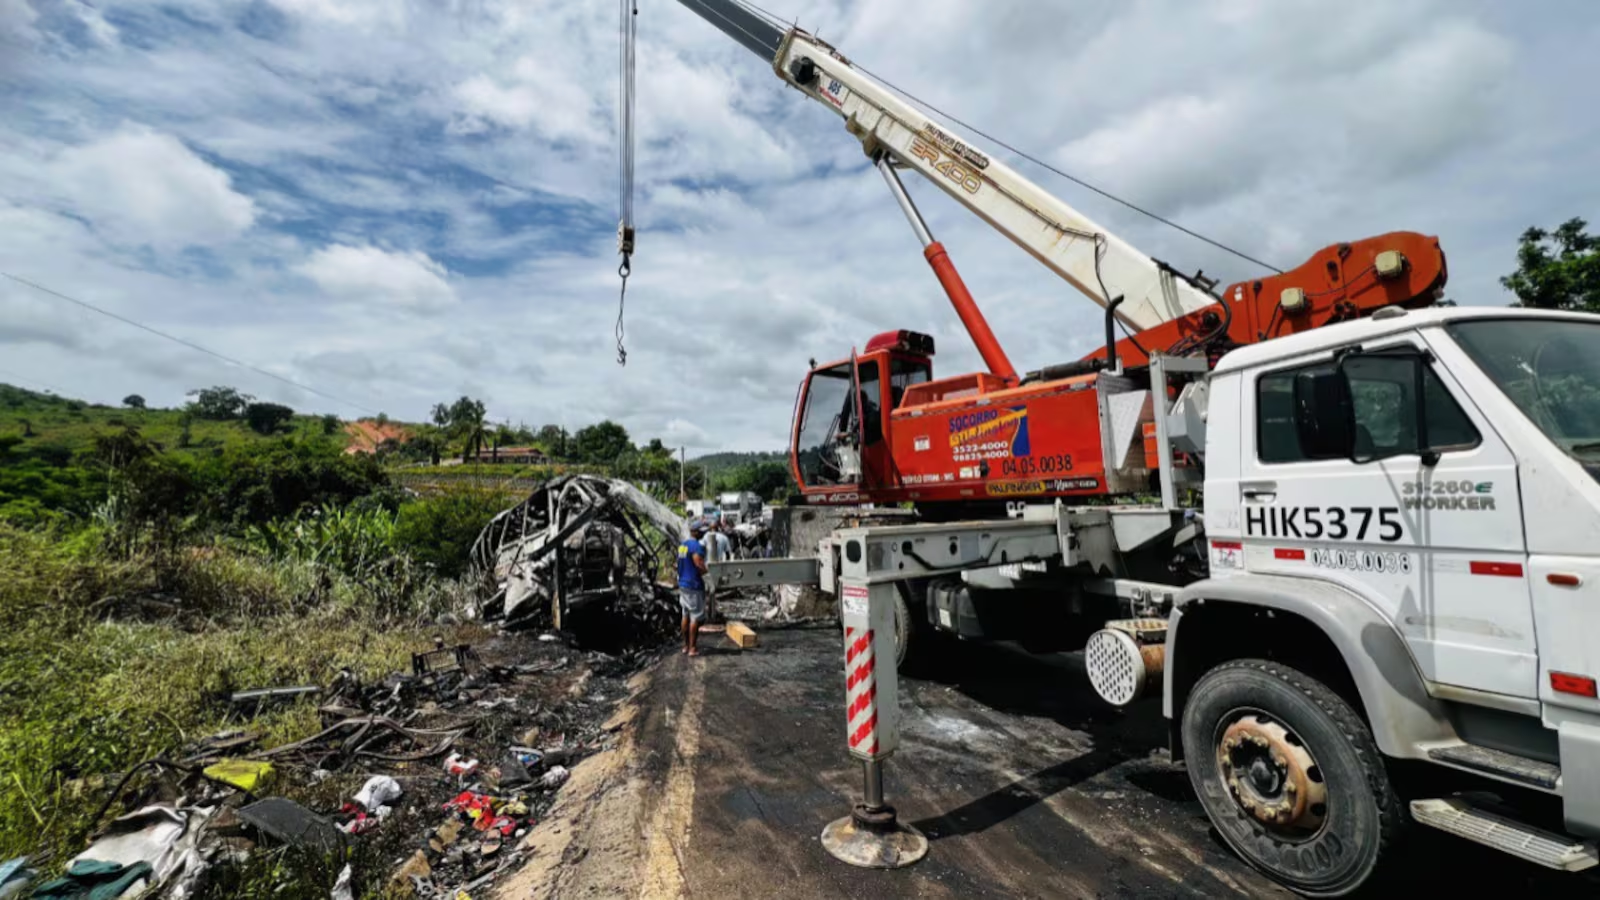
(692, 586)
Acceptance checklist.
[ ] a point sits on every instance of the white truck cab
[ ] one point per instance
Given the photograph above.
(1403, 521)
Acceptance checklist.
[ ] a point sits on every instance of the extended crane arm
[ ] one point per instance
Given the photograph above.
(1097, 263)
(1170, 313)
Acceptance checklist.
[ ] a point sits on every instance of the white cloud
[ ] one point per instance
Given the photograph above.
(363, 13)
(139, 186)
(407, 279)
(537, 96)
(478, 135)
(103, 32)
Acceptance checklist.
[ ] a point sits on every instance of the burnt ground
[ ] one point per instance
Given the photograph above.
(729, 766)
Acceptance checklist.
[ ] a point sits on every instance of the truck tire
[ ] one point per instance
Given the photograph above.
(1290, 776)
(917, 644)
(907, 634)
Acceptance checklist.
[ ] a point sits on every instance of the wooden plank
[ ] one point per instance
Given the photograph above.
(741, 634)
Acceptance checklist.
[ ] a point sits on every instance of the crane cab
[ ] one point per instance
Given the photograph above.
(840, 449)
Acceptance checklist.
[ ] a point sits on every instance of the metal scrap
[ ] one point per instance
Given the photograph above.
(614, 542)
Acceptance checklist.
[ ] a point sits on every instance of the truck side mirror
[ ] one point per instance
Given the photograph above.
(1386, 389)
(1322, 415)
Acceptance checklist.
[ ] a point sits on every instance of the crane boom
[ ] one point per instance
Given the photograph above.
(1091, 259)
(877, 427)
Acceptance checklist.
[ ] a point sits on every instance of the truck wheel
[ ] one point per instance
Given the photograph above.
(906, 633)
(1290, 776)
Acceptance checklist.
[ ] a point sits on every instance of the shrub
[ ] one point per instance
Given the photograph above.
(439, 531)
(254, 484)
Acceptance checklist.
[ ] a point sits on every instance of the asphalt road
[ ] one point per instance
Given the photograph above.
(1025, 783)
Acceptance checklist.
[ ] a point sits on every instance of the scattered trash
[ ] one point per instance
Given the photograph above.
(440, 660)
(456, 765)
(380, 790)
(445, 835)
(223, 742)
(90, 879)
(244, 774)
(156, 846)
(548, 638)
(435, 731)
(511, 773)
(414, 868)
(288, 822)
(14, 877)
(261, 695)
(341, 888)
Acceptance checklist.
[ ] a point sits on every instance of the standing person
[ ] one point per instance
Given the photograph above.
(692, 586)
(721, 551)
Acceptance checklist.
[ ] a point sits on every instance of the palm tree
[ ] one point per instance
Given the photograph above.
(473, 433)
(502, 436)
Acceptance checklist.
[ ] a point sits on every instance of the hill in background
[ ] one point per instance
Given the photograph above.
(59, 425)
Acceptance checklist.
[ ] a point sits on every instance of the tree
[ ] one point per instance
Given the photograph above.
(27, 427)
(1557, 270)
(383, 419)
(463, 420)
(330, 424)
(219, 403)
(767, 478)
(133, 401)
(554, 439)
(503, 437)
(267, 418)
(601, 443)
(122, 449)
(656, 448)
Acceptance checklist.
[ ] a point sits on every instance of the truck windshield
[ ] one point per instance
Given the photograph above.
(1550, 368)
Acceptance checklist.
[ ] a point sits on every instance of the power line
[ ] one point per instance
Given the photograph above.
(190, 344)
(1037, 161)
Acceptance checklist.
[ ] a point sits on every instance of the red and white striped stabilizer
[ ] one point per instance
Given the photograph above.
(860, 692)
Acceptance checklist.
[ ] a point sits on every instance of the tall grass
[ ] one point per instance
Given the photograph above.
(109, 658)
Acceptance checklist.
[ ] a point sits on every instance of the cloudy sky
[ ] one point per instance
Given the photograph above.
(397, 202)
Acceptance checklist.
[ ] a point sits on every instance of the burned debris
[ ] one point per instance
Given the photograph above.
(422, 783)
(581, 550)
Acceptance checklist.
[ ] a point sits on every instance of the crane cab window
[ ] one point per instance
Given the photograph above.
(1384, 410)
(903, 373)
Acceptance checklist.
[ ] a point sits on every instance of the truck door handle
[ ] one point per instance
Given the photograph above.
(1264, 490)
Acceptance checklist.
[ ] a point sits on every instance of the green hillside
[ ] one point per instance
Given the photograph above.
(716, 463)
(57, 426)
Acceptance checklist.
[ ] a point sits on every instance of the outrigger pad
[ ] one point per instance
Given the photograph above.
(874, 839)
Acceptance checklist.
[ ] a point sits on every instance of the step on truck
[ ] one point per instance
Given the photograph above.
(1348, 535)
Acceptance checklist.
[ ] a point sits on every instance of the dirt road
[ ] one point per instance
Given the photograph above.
(1025, 783)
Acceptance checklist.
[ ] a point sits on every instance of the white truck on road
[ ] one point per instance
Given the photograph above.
(1369, 594)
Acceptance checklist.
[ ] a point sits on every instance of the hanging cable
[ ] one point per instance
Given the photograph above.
(625, 126)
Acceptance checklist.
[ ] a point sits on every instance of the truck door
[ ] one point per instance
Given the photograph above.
(824, 434)
(1428, 528)
(877, 463)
